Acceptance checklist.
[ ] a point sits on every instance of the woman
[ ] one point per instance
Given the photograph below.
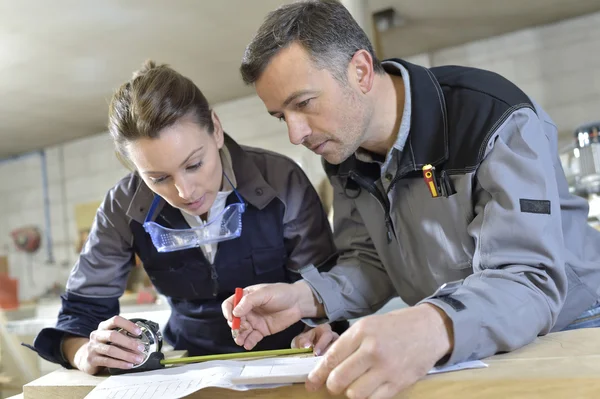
(204, 215)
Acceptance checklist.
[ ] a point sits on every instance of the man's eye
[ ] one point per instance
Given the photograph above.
(303, 104)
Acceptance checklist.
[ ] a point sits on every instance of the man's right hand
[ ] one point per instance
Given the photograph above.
(266, 309)
(106, 347)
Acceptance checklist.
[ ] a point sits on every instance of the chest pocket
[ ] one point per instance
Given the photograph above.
(260, 266)
(269, 264)
(181, 278)
(440, 224)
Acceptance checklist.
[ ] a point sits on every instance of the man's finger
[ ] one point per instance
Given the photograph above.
(385, 391)
(350, 369)
(240, 340)
(294, 343)
(327, 338)
(365, 385)
(253, 339)
(304, 340)
(227, 308)
(345, 346)
(244, 307)
(254, 297)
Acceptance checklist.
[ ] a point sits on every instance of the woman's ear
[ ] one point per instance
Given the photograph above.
(218, 133)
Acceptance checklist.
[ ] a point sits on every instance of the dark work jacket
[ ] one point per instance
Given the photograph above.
(284, 230)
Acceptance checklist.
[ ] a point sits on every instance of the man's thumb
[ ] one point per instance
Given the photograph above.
(247, 303)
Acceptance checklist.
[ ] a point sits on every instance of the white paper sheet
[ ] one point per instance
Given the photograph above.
(177, 382)
(473, 364)
(277, 371)
(298, 370)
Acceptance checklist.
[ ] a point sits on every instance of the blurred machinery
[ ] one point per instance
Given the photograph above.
(581, 162)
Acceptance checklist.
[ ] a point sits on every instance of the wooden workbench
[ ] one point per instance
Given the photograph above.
(559, 365)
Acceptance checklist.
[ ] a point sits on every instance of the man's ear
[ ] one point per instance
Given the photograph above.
(361, 71)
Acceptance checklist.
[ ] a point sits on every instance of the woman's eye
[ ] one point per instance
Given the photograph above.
(194, 166)
(158, 180)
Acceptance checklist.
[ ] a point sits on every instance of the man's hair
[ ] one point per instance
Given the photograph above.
(324, 28)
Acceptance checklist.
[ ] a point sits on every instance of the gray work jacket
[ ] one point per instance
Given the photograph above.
(506, 234)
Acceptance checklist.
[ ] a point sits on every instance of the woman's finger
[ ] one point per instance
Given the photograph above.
(116, 338)
(116, 353)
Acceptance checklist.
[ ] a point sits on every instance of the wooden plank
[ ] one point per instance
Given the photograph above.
(62, 383)
(71, 384)
(559, 365)
(11, 346)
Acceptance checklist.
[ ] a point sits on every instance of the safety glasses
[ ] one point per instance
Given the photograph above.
(226, 225)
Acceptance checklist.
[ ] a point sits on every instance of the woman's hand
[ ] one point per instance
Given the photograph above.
(106, 347)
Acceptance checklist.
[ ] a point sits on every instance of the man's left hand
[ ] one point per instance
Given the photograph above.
(381, 355)
(320, 338)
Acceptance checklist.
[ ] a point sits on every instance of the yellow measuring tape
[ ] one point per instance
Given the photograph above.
(240, 355)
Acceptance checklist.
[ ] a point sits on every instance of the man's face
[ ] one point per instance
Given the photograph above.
(324, 115)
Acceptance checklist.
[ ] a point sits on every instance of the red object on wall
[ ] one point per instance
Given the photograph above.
(9, 292)
(26, 238)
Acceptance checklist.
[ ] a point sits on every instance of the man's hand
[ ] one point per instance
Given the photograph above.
(105, 347)
(319, 338)
(266, 309)
(381, 355)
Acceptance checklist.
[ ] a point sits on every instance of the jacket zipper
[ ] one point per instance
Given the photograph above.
(372, 189)
(213, 270)
(214, 276)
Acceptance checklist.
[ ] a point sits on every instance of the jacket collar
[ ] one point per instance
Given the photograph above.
(250, 183)
(427, 141)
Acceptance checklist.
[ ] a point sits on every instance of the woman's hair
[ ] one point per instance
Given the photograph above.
(155, 98)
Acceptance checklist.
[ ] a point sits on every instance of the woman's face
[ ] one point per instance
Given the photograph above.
(182, 165)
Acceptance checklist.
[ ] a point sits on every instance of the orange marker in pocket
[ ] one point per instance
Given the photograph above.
(430, 180)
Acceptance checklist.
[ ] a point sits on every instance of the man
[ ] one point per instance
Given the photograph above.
(448, 193)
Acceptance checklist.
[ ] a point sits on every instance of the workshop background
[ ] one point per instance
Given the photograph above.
(60, 62)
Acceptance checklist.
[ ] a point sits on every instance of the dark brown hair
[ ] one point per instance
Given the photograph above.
(324, 28)
(155, 98)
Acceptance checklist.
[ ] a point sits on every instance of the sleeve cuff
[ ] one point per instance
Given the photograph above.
(61, 353)
(325, 293)
(48, 345)
(465, 326)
